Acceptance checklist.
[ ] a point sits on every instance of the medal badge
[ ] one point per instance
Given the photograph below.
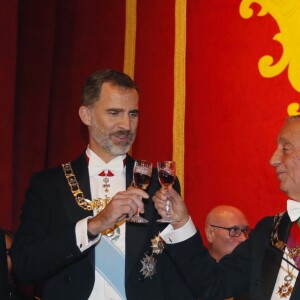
(158, 245)
(149, 261)
(149, 266)
(285, 290)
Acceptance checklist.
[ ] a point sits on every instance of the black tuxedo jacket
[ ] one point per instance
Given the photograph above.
(252, 268)
(45, 247)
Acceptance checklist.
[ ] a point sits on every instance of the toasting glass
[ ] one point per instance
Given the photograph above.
(142, 172)
(166, 177)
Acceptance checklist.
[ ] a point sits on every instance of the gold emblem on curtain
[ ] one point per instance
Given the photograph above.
(286, 13)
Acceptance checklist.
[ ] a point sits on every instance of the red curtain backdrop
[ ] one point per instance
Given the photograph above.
(154, 72)
(59, 44)
(8, 47)
(233, 114)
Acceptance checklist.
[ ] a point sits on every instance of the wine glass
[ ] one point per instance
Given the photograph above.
(166, 177)
(142, 172)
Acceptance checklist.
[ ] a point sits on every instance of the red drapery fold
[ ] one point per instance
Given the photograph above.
(8, 38)
(59, 44)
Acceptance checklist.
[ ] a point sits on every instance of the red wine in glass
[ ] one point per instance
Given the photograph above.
(142, 172)
(166, 177)
(141, 181)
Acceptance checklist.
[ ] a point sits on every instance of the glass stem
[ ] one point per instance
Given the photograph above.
(138, 212)
(168, 203)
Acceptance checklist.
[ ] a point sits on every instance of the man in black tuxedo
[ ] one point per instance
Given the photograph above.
(266, 266)
(73, 237)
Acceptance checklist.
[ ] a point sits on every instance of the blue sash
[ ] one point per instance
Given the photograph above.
(110, 263)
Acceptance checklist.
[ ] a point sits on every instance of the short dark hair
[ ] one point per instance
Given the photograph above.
(92, 88)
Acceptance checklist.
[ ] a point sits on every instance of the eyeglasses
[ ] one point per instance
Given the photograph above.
(235, 231)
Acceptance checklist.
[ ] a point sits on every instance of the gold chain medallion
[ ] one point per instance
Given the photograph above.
(86, 204)
(96, 205)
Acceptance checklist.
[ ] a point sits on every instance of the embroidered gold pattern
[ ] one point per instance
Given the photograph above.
(286, 14)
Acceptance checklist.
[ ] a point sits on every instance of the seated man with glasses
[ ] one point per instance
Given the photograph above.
(226, 227)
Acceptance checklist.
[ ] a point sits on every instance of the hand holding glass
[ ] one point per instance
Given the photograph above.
(166, 177)
(142, 172)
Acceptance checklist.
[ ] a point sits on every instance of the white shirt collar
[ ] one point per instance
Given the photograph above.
(97, 165)
(293, 209)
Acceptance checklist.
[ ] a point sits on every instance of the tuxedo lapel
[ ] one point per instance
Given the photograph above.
(272, 260)
(296, 291)
(72, 209)
(129, 170)
(270, 267)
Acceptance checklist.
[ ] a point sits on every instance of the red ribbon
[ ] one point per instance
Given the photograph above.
(294, 238)
(107, 173)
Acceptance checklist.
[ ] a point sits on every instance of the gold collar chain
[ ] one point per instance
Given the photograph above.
(293, 252)
(86, 204)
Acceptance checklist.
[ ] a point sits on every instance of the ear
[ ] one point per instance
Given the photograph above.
(209, 231)
(85, 115)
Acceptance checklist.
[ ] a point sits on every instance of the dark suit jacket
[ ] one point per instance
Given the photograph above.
(251, 268)
(45, 247)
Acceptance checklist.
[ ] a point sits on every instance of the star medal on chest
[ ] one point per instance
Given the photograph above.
(149, 266)
(149, 261)
(285, 289)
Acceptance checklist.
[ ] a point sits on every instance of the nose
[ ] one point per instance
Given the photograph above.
(242, 237)
(276, 158)
(124, 122)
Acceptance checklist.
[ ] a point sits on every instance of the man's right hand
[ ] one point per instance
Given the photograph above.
(124, 204)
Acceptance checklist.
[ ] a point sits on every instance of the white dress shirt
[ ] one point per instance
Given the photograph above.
(102, 289)
(173, 236)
